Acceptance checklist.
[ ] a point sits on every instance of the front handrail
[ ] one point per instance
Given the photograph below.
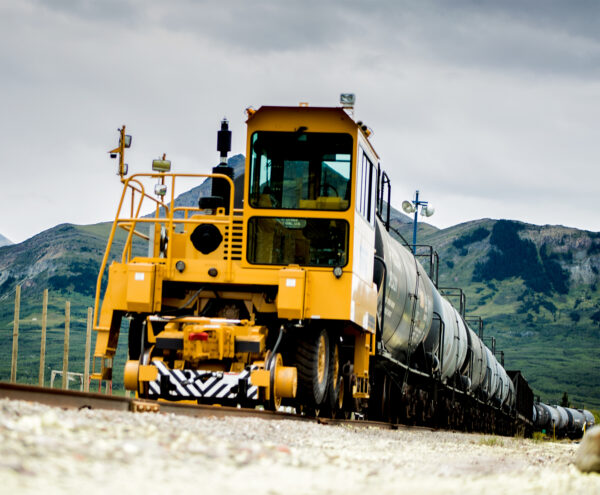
(133, 184)
(128, 243)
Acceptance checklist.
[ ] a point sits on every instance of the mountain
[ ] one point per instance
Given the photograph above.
(536, 287)
(4, 241)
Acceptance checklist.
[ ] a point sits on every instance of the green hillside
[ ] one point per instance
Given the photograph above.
(65, 260)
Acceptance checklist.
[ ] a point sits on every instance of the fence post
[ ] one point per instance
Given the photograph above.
(88, 344)
(65, 376)
(15, 348)
(43, 343)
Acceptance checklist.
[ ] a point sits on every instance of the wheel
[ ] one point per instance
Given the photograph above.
(386, 399)
(312, 362)
(379, 402)
(334, 400)
(145, 358)
(274, 402)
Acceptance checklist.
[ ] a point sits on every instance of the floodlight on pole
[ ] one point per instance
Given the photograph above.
(413, 207)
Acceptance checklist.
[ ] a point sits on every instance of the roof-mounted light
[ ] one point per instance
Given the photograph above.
(160, 190)
(408, 207)
(162, 164)
(427, 211)
(119, 151)
(122, 169)
(347, 100)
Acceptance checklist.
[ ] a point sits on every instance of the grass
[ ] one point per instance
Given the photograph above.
(28, 361)
(491, 442)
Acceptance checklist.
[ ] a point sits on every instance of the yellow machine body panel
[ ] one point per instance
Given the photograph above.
(140, 287)
(290, 296)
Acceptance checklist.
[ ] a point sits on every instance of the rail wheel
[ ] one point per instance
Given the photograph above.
(334, 401)
(379, 403)
(131, 373)
(386, 399)
(274, 401)
(312, 361)
(351, 406)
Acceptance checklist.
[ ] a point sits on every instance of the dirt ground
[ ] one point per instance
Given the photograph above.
(49, 450)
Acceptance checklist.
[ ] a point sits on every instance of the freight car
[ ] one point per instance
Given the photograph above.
(286, 285)
(562, 421)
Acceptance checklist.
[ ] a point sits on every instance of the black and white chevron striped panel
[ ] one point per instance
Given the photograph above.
(201, 384)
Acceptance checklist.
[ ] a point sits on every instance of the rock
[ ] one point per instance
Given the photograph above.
(587, 458)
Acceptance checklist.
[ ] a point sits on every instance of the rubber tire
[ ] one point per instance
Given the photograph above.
(312, 391)
(331, 407)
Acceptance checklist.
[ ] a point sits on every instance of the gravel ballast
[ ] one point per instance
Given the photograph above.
(50, 450)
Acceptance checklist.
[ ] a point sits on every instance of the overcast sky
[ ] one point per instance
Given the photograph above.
(490, 109)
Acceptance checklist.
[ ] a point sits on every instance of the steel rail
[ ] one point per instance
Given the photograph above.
(71, 399)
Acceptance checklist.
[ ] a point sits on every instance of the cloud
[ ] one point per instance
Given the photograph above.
(471, 101)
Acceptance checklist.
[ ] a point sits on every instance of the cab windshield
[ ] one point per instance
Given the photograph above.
(300, 170)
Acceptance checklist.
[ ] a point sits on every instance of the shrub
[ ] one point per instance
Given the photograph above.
(78, 276)
(538, 436)
(512, 256)
(593, 249)
(477, 235)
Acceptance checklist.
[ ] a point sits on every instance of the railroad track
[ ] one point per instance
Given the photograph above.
(71, 399)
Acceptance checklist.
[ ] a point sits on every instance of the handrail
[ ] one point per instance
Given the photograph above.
(134, 184)
(106, 255)
(128, 243)
(127, 226)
